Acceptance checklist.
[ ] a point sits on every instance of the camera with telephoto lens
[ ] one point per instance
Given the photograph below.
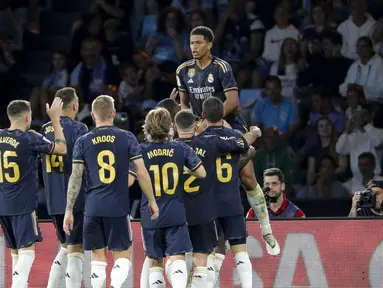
(367, 199)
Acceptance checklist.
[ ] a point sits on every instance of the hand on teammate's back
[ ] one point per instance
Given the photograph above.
(55, 110)
(153, 208)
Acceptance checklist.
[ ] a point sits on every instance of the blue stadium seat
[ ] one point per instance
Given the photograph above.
(247, 96)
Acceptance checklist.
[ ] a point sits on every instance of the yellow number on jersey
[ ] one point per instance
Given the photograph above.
(188, 188)
(54, 161)
(6, 164)
(104, 166)
(224, 166)
(161, 178)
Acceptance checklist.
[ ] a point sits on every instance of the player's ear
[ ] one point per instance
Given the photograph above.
(26, 117)
(283, 186)
(92, 114)
(114, 113)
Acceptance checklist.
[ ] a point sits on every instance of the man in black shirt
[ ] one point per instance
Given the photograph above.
(376, 185)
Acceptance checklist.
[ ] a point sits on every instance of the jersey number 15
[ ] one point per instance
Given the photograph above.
(5, 164)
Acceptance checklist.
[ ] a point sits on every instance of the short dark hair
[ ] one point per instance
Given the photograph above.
(206, 32)
(213, 109)
(169, 104)
(67, 95)
(273, 78)
(335, 37)
(376, 182)
(274, 172)
(17, 107)
(184, 119)
(366, 39)
(369, 156)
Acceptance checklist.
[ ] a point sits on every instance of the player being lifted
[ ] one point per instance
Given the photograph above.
(56, 173)
(168, 235)
(19, 149)
(205, 76)
(199, 194)
(105, 154)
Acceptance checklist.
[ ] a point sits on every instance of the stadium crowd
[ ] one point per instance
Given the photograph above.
(310, 74)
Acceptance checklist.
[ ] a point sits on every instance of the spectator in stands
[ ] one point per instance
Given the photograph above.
(359, 24)
(323, 144)
(322, 106)
(276, 110)
(339, 11)
(197, 17)
(7, 59)
(93, 74)
(328, 69)
(273, 42)
(326, 185)
(279, 205)
(355, 99)
(319, 26)
(275, 152)
(57, 79)
(131, 87)
(89, 25)
(376, 185)
(167, 44)
(286, 68)
(119, 47)
(366, 165)
(108, 9)
(240, 38)
(360, 136)
(367, 72)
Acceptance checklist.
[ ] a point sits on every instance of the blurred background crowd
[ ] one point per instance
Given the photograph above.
(310, 73)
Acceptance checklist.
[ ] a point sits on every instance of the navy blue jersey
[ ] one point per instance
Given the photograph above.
(57, 169)
(106, 153)
(199, 194)
(165, 163)
(216, 79)
(226, 179)
(19, 170)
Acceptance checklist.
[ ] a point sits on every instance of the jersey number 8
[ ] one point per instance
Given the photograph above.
(104, 166)
(6, 164)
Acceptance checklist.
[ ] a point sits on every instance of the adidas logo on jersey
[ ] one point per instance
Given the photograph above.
(190, 81)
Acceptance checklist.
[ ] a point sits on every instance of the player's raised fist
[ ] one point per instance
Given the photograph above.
(256, 130)
(153, 208)
(54, 111)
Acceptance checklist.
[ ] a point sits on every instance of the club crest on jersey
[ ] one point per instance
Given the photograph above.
(210, 78)
(191, 72)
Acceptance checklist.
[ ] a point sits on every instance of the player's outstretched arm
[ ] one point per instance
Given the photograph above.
(54, 112)
(146, 186)
(74, 187)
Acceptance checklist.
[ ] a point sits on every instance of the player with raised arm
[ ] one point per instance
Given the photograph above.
(230, 215)
(199, 194)
(168, 235)
(105, 155)
(19, 149)
(56, 172)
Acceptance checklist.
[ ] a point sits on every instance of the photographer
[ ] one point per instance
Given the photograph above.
(368, 203)
(279, 206)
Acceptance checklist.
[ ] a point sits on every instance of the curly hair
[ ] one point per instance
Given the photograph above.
(158, 125)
